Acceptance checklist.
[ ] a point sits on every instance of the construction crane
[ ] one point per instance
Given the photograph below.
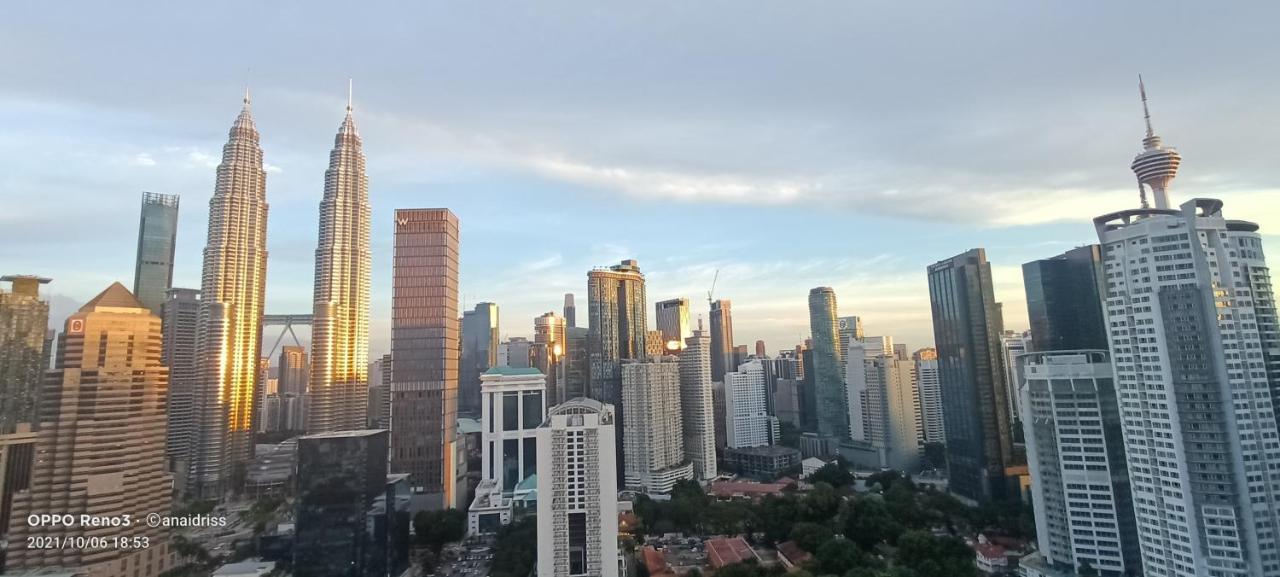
(712, 290)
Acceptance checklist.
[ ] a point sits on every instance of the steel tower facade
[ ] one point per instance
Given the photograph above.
(340, 326)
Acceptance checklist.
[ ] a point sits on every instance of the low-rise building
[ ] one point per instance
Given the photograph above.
(723, 551)
(766, 462)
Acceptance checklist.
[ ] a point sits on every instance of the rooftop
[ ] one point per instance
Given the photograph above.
(339, 434)
(723, 551)
(513, 371)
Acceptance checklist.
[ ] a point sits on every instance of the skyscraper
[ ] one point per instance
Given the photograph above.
(1199, 426)
(344, 513)
(380, 393)
(967, 324)
(618, 331)
(889, 415)
(673, 321)
(570, 311)
(1080, 477)
(157, 237)
(850, 330)
(101, 445)
(424, 352)
(550, 340)
(616, 303)
(721, 339)
(1012, 346)
(340, 311)
(930, 391)
(747, 420)
(760, 351)
(293, 370)
(576, 363)
(24, 317)
(231, 300)
(697, 410)
(479, 354)
(831, 400)
(653, 438)
(1080, 480)
(180, 323)
(577, 491)
(1063, 296)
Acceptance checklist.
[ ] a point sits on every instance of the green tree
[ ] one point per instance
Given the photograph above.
(1086, 570)
(811, 536)
(820, 504)
(930, 556)
(886, 479)
(777, 515)
(837, 556)
(869, 523)
(834, 473)
(436, 528)
(515, 550)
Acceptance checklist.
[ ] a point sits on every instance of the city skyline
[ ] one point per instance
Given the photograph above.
(423, 142)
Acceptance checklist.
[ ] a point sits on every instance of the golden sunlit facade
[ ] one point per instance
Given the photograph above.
(101, 446)
(232, 290)
(340, 325)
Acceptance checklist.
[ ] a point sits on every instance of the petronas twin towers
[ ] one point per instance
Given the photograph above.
(232, 295)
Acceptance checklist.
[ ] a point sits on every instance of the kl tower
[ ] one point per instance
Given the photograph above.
(1156, 166)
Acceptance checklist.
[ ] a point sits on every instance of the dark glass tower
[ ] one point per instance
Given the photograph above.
(967, 323)
(424, 352)
(342, 525)
(721, 340)
(1064, 301)
(157, 236)
(479, 354)
(832, 402)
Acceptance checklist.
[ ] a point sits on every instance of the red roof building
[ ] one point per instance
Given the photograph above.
(791, 555)
(656, 562)
(723, 551)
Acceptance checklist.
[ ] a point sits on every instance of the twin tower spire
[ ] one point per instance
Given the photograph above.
(232, 295)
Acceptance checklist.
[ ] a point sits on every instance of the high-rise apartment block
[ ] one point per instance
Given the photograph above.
(101, 445)
(157, 238)
(930, 391)
(232, 292)
(653, 435)
(747, 419)
(967, 325)
(1075, 452)
(1199, 424)
(884, 403)
(577, 491)
(697, 407)
(1187, 297)
(424, 352)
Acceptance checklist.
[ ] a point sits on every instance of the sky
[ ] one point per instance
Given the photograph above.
(787, 145)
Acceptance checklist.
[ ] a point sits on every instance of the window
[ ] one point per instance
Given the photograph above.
(577, 543)
(510, 411)
(532, 408)
(510, 464)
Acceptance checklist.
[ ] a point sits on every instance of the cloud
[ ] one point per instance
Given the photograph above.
(143, 159)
